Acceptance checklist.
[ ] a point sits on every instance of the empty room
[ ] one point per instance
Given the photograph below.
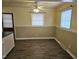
(39, 29)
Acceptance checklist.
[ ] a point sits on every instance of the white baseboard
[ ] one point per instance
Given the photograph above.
(66, 49)
(35, 38)
(62, 46)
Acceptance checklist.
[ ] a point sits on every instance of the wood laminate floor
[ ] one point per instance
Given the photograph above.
(38, 49)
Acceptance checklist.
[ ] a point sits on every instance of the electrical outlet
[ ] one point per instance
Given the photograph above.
(69, 46)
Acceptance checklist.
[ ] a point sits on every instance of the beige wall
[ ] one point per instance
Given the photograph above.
(22, 19)
(67, 37)
(22, 16)
(31, 32)
(23, 23)
(63, 7)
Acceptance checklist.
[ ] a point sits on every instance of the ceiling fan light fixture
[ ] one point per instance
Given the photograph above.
(36, 10)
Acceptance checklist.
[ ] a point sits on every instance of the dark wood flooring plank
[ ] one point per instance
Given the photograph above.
(38, 49)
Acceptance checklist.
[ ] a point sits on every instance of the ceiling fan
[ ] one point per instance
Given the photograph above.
(37, 8)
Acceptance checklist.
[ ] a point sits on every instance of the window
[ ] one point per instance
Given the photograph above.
(37, 19)
(7, 21)
(66, 18)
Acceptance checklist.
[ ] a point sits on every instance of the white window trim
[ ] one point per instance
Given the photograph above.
(70, 20)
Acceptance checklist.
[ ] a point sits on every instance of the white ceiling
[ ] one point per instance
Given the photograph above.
(31, 3)
(27, 0)
(45, 4)
(49, 4)
(38, 0)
